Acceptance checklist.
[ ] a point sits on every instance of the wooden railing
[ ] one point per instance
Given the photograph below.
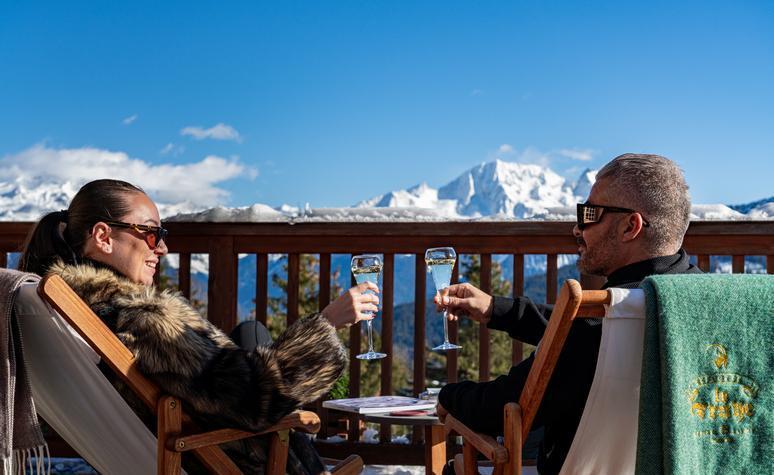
(223, 242)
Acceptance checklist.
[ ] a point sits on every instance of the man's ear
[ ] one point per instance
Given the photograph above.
(634, 227)
(102, 239)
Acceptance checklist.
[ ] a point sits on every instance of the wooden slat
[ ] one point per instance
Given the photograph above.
(386, 301)
(184, 275)
(323, 299)
(737, 264)
(169, 424)
(551, 278)
(483, 331)
(353, 434)
(261, 287)
(420, 285)
(770, 264)
(703, 261)
(324, 296)
(419, 322)
(293, 284)
(484, 444)
(304, 421)
(3, 259)
(517, 347)
(513, 442)
(451, 356)
(222, 286)
(279, 443)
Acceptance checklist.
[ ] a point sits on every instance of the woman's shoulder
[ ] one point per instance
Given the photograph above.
(95, 283)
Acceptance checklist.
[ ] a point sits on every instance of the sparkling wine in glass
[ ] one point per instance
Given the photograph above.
(440, 262)
(366, 268)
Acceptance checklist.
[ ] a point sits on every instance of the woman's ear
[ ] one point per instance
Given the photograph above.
(101, 239)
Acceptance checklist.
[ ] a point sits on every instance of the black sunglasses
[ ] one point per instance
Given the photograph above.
(590, 213)
(153, 235)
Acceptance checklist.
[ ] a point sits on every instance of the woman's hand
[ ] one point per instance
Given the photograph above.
(348, 308)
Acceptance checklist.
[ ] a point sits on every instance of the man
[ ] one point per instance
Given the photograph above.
(632, 226)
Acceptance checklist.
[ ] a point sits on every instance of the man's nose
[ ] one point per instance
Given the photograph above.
(576, 232)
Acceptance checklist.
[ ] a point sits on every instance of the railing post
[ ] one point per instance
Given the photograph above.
(386, 298)
(551, 277)
(483, 331)
(451, 356)
(517, 347)
(222, 286)
(184, 274)
(293, 284)
(261, 287)
(420, 276)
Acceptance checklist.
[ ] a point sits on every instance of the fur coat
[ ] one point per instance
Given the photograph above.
(188, 357)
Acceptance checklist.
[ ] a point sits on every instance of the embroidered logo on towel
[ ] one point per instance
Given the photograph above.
(722, 402)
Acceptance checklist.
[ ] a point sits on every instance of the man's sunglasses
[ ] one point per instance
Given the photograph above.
(590, 213)
(153, 235)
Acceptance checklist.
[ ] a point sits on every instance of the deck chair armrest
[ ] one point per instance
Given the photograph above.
(304, 421)
(485, 444)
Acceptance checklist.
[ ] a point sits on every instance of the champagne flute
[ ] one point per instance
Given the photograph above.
(440, 262)
(366, 268)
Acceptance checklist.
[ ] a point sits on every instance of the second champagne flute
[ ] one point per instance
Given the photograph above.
(440, 262)
(366, 268)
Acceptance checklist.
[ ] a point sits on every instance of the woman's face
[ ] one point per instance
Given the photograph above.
(125, 249)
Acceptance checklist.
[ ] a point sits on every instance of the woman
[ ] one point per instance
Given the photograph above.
(107, 247)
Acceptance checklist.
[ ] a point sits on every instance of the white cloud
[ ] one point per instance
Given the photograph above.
(130, 119)
(172, 149)
(505, 148)
(166, 183)
(219, 131)
(583, 155)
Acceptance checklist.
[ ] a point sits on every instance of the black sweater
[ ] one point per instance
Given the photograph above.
(480, 405)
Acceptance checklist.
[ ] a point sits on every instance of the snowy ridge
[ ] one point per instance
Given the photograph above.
(493, 191)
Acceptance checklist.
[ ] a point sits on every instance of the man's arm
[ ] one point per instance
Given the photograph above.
(520, 317)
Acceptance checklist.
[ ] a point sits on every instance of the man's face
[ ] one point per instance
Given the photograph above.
(598, 244)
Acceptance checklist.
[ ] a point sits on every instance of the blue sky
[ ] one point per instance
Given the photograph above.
(333, 102)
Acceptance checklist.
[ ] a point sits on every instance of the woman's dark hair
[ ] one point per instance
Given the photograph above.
(62, 234)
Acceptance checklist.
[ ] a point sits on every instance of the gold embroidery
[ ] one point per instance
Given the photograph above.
(722, 399)
(721, 360)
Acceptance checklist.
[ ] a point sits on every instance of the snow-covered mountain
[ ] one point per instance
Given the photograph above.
(29, 198)
(495, 189)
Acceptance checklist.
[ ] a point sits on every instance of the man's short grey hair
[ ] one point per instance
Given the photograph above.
(654, 186)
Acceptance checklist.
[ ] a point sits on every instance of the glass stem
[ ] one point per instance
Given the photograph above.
(370, 337)
(445, 328)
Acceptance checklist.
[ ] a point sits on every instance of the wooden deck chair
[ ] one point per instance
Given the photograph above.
(175, 432)
(573, 303)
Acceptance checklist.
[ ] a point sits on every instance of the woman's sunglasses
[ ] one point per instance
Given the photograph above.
(590, 213)
(153, 235)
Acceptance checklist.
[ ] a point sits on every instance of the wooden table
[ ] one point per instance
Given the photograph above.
(435, 437)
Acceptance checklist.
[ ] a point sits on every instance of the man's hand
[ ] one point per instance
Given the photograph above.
(464, 299)
(441, 412)
(348, 308)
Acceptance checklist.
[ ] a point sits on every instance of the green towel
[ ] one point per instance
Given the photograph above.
(706, 399)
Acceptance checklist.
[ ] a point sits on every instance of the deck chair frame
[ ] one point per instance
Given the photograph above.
(176, 433)
(571, 304)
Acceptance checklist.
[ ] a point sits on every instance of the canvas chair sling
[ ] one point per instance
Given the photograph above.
(172, 440)
(573, 302)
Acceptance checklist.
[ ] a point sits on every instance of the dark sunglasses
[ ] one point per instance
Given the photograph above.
(153, 235)
(590, 213)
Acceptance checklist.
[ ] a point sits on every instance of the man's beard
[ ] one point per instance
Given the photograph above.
(597, 260)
